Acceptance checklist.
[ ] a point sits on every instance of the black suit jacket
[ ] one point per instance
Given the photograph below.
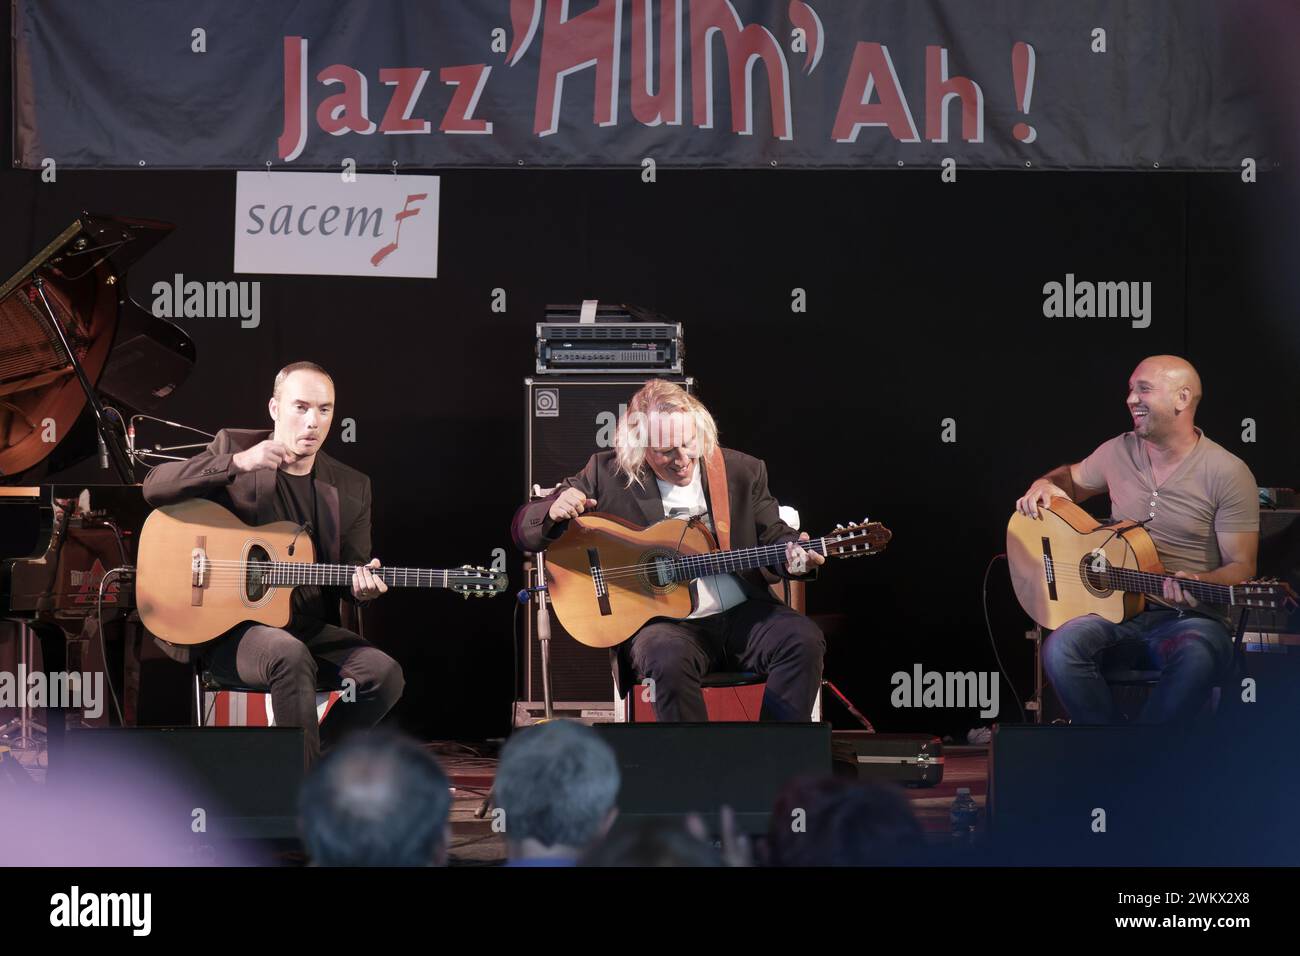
(754, 517)
(343, 495)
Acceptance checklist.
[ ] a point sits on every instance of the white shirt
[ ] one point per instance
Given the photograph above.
(717, 592)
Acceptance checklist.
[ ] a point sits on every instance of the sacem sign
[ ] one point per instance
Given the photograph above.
(323, 224)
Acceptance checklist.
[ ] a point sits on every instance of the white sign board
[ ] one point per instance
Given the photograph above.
(321, 224)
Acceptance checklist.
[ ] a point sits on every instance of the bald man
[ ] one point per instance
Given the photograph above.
(1200, 504)
(284, 475)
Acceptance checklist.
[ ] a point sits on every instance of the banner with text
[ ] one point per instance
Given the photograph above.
(597, 83)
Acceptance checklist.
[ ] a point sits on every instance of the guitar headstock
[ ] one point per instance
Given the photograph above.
(469, 581)
(1270, 594)
(857, 540)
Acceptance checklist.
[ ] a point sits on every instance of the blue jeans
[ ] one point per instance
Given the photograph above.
(1192, 652)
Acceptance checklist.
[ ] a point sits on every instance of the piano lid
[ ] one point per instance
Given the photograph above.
(128, 356)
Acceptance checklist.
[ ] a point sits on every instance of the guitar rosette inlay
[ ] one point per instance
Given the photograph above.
(1094, 572)
(656, 571)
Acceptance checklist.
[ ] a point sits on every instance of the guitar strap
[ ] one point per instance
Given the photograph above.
(719, 501)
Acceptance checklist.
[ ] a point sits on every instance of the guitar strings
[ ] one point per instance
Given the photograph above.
(224, 569)
(1068, 574)
(768, 551)
(771, 553)
(236, 571)
(235, 563)
(239, 567)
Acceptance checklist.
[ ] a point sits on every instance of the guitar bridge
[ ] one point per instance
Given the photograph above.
(598, 581)
(1049, 568)
(198, 570)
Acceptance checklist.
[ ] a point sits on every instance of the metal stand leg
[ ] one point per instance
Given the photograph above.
(1226, 694)
(544, 636)
(857, 714)
(198, 696)
(54, 659)
(1035, 704)
(12, 771)
(28, 727)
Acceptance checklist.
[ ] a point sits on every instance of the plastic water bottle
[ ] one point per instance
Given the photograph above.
(963, 815)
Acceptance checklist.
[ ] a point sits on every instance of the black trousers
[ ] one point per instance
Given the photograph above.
(289, 664)
(760, 636)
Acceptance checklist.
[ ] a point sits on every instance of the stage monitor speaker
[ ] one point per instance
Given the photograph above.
(670, 770)
(245, 779)
(1142, 796)
(568, 422)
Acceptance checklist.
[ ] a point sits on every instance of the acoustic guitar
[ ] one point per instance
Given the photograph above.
(606, 577)
(1068, 563)
(200, 571)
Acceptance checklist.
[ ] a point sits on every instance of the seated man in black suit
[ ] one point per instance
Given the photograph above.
(664, 441)
(283, 475)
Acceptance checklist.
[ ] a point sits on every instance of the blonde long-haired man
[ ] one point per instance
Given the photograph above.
(656, 470)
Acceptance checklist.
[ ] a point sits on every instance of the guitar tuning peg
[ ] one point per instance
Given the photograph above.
(838, 527)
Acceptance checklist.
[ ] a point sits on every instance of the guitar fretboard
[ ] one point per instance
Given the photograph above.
(289, 574)
(688, 567)
(1148, 582)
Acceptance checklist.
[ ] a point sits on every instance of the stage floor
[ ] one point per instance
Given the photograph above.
(472, 768)
(474, 844)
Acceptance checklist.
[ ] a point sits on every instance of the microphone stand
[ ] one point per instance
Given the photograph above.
(159, 452)
(858, 715)
(544, 635)
(535, 593)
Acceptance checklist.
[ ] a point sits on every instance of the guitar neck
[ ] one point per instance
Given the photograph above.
(288, 574)
(744, 559)
(1148, 582)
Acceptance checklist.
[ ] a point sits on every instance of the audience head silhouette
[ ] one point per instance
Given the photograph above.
(556, 786)
(378, 799)
(832, 821)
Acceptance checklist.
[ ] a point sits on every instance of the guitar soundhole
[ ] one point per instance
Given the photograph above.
(1094, 571)
(256, 582)
(657, 571)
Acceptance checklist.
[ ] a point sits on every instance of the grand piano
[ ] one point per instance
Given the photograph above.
(78, 359)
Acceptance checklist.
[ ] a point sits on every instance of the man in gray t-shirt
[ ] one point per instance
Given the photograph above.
(1200, 504)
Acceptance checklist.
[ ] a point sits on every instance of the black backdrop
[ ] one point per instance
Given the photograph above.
(924, 302)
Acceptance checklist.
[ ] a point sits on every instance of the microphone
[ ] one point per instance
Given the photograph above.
(103, 452)
(307, 528)
(524, 596)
